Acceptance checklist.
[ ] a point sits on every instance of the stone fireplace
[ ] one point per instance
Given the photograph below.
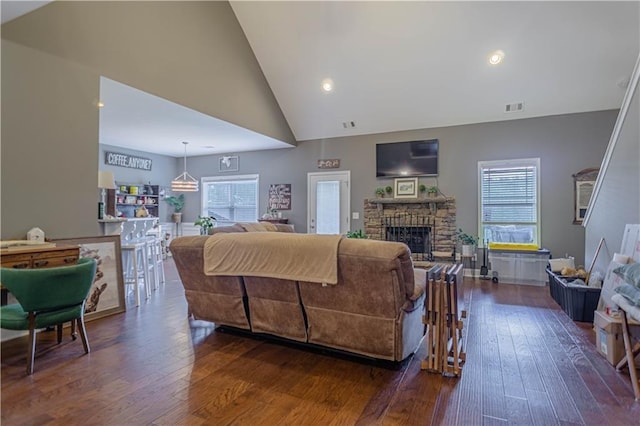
(426, 225)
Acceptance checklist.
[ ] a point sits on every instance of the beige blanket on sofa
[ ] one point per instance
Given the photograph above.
(298, 257)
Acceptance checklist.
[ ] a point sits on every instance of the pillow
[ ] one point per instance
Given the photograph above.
(629, 292)
(257, 226)
(630, 273)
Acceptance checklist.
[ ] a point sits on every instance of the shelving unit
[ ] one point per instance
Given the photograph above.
(127, 198)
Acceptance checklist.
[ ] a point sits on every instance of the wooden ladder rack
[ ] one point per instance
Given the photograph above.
(443, 320)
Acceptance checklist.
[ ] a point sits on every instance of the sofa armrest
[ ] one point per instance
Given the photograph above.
(417, 298)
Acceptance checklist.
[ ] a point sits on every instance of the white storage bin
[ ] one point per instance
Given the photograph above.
(504, 264)
(520, 268)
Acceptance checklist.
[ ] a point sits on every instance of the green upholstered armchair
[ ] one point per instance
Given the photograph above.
(47, 297)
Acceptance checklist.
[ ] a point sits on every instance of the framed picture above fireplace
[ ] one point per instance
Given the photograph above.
(406, 187)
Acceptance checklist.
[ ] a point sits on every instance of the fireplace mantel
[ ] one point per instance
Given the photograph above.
(410, 200)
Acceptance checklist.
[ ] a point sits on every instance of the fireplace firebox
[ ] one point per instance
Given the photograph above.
(414, 230)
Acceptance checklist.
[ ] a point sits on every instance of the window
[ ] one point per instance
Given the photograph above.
(509, 207)
(230, 199)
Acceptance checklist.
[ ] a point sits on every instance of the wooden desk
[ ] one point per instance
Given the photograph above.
(37, 257)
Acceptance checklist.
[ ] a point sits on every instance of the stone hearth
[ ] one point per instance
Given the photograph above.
(439, 213)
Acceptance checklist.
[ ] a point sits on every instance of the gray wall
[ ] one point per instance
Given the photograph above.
(49, 145)
(565, 145)
(618, 202)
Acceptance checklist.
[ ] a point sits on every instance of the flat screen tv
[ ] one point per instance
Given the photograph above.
(412, 158)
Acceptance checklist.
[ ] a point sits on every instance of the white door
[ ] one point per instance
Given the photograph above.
(328, 202)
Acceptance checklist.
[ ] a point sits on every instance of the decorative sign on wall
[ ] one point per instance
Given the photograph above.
(228, 163)
(280, 196)
(125, 160)
(329, 164)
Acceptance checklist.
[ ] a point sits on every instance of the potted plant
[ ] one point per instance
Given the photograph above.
(389, 190)
(467, 241)
(206, 223)
(422, 188)
(357, 234)
(432, 191)
(380, 192)
(178, 204)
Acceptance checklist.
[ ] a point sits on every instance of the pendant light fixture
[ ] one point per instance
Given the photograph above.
(184, 182)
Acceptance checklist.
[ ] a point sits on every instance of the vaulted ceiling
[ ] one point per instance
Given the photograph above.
(411, 65)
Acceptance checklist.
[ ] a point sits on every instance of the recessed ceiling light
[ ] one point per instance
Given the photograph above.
(100, 104)
(496, 57)
(327, 85)
(209, 146)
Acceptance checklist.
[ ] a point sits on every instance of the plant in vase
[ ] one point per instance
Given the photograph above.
(389, 190)
(468, 242)
(380, 192)
(357, 234)
(432, 191)
(206, 223)
(422, 188)
(178, 204)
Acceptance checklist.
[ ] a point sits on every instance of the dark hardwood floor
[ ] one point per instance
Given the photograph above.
(527, 363)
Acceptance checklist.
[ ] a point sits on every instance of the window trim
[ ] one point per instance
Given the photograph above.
(518, 162)
(231, 178)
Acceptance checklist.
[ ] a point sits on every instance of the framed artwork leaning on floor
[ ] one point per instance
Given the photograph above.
(107, 292)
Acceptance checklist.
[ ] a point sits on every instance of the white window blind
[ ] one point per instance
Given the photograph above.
(509, 200)
(230, 200)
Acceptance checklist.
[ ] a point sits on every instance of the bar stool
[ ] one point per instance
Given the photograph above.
(134, 259)
(156, 259)
(154, 252)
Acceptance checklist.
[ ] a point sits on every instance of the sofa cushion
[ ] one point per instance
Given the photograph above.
(257, 226)
(226, 229)
(284, 227)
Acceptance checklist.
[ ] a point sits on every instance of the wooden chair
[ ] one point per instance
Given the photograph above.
(47, 297)
(631, 342)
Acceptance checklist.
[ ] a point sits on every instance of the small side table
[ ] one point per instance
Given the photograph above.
(471, 261)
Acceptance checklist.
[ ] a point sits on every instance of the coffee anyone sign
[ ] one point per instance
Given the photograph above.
(125, 160)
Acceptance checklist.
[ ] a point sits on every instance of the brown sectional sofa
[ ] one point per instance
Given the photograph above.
(374, 310)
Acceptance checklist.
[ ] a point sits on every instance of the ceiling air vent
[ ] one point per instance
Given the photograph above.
(348, 124)
(514, 107)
